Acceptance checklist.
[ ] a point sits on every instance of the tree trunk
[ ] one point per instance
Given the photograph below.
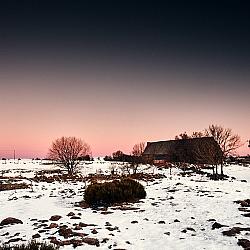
(221, 168)
(135, 169)
(70, 169)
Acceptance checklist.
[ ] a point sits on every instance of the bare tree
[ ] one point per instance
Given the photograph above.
(225, 137)
(67, 151)
(138, 149)
(137, 152)
(206, 152)
(227, 140)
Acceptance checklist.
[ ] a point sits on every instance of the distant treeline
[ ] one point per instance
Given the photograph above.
(80, 158)
(237, 160)
(120, 156)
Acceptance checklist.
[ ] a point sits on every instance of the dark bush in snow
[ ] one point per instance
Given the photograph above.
(107, 193)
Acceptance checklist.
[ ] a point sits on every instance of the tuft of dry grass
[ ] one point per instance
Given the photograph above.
(11, 186)
(32, 245)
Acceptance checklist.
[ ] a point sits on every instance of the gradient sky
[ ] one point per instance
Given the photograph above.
(116, 74)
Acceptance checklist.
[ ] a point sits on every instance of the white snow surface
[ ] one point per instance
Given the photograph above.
(193, 200)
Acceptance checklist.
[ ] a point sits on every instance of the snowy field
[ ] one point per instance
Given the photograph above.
(178, 212)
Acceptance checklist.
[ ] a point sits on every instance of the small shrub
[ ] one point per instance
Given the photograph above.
(13, 186)
(108, 193)
(32, 245)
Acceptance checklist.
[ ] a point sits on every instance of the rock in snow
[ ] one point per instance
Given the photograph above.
(10, 220)
(244, 243)
(217, 225)
(55, 217)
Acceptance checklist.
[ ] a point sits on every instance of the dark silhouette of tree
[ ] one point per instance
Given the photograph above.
(108, 158)
(227, 140)
(67, 151)
(136, 158)
(186, 136)
(197, 134)
(132, 160)
(138, 149)
(182, 136)
(208, 153)
(118, 155)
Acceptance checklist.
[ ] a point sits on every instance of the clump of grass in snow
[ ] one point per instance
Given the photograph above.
(32, 245)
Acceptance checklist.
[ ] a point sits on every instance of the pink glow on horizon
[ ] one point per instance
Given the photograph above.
(41, 152)
(112, 112)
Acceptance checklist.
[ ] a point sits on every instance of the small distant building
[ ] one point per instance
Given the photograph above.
(203, 150)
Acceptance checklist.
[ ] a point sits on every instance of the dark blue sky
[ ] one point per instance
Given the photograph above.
(141, 27)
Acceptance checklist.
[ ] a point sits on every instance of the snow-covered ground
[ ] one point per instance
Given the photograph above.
(172, 205)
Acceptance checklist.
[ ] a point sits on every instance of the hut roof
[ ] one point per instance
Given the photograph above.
(168, 147)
